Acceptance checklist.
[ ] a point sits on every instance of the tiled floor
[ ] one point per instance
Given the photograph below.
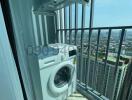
(76, 96)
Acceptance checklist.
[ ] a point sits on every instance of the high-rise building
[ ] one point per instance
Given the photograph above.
(115, 80)
(126, 89)
(106, 82)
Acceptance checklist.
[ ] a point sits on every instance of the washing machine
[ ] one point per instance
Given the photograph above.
(58, 71)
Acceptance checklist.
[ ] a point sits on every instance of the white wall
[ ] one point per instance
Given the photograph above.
(10, 88)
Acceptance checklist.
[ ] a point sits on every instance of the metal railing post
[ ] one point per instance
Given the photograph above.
(70, 20)
(106, 56)
(65, 23)
(76, 20)
(96, 58)
(82, 33)
(61, 26)
(89, 38)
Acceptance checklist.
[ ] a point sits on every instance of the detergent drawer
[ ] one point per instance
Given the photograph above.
(49, 61)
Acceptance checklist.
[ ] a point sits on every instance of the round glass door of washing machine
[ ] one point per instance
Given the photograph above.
(60, 78)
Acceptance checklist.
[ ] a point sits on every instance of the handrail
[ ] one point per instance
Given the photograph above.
(96, 28)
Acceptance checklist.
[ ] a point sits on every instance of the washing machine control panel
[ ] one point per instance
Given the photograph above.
(72, 53)
(49, 61)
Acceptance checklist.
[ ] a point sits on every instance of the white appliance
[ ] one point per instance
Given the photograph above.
(58, 71)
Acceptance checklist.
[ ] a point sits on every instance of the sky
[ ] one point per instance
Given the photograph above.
(113, 12)
(107, 13)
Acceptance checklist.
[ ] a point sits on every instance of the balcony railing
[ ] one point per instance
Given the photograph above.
(95, 45)
(97, 75)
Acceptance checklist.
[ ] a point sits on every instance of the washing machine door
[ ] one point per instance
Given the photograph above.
(60, 78)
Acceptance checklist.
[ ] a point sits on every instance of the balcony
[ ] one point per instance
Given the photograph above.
(104, 53)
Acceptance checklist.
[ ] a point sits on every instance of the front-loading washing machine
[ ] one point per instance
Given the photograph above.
(58, 72)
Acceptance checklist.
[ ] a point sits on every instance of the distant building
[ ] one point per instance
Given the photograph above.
(126, 90)
(107, 84)
(114, 82)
